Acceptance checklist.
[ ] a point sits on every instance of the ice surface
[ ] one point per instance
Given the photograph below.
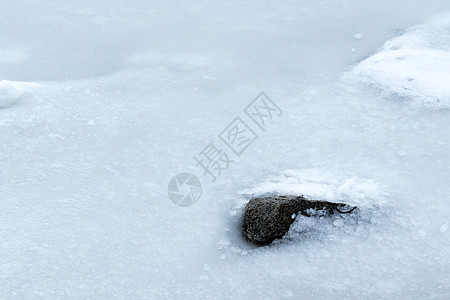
(12, 56)
(128, 92)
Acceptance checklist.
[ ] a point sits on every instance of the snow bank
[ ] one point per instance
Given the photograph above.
(414, 66)
(320, 184)
(12, 92)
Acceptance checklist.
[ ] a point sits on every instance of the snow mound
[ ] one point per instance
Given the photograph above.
(322, 185)
(414, 66)
(12, 92)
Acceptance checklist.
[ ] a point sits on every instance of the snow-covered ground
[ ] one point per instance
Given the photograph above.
(102, 104)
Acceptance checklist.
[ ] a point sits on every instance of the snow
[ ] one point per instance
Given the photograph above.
(103, 103)
(414, 66)
(322, 184)
(358, 36)
(12, 92)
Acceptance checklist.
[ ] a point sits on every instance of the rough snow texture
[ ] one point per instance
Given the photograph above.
(317, 184)
(414, 66)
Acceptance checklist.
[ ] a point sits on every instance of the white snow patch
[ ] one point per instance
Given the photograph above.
(414, 66)
(324, 185)
(12, 92)
(358, 36)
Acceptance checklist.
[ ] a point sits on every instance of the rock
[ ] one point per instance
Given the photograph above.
(269, 218)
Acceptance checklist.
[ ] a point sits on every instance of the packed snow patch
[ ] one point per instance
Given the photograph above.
(12, 92)
(317, 184)
(414, 66)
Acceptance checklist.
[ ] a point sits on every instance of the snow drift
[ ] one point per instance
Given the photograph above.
(414, 66)
(317, 184)
(12, 92)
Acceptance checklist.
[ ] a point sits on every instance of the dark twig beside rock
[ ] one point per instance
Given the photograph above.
(269, 218)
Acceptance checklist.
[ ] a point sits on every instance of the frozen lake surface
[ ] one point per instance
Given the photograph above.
(102, 104)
